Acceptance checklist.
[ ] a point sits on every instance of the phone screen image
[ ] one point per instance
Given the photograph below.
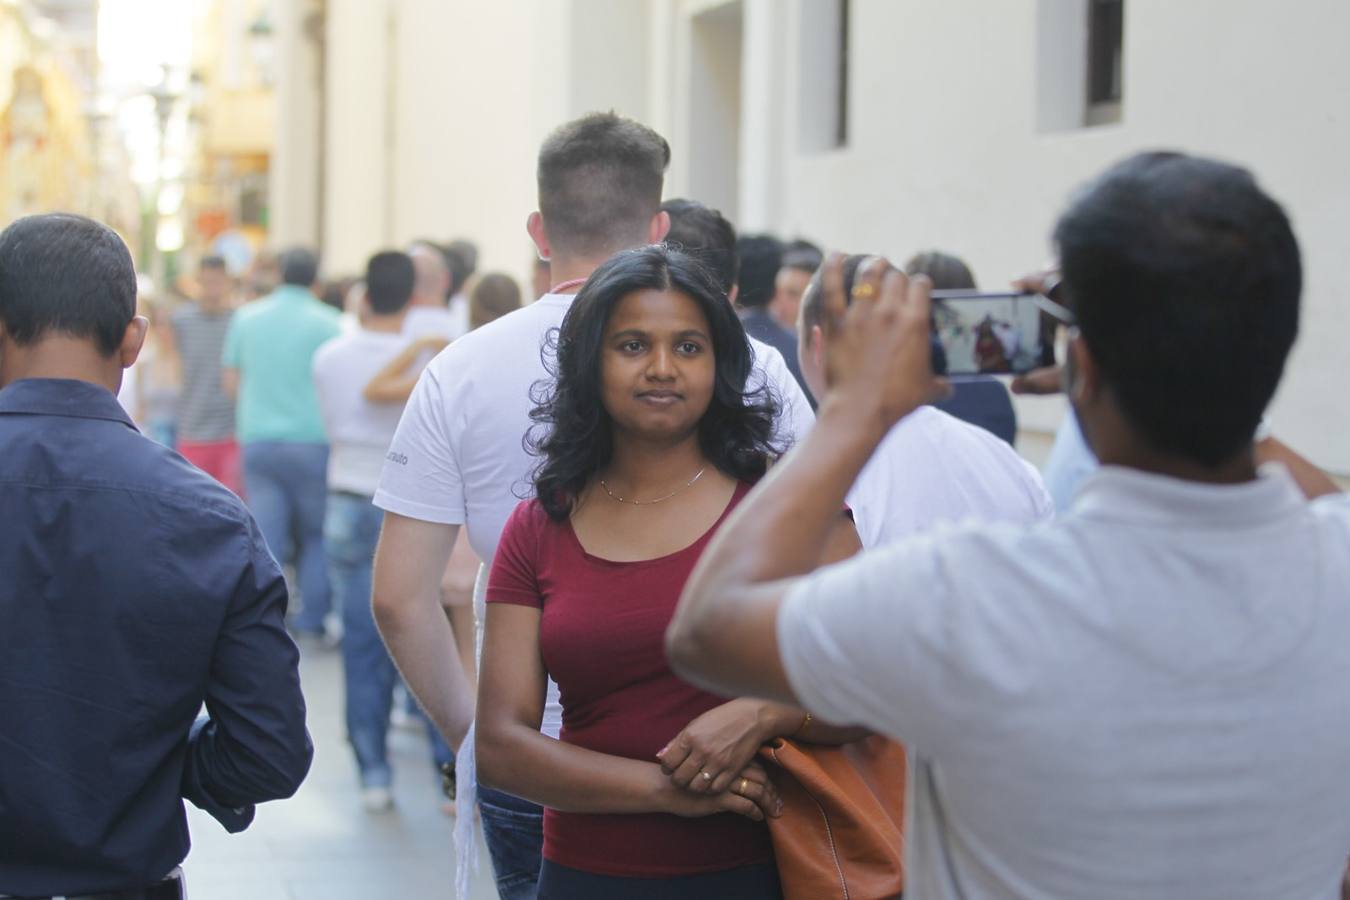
(989, 334)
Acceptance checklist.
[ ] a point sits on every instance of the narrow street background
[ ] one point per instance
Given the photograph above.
(320, 844)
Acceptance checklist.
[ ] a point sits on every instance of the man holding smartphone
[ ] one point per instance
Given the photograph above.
(1144, 698)
(1072, 462)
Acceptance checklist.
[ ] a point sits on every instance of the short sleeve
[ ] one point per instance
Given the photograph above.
(229, 357)
(896, 494)
(794, 415)
(886, 641)
(871, 492)
(421, 478)
(515, 574)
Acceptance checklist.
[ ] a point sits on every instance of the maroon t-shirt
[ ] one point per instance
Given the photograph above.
(602, 636)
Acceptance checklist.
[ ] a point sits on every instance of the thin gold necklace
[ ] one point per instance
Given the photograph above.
(686, 485)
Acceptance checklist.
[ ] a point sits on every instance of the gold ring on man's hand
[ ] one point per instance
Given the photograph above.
(864, 291)
(743, 786)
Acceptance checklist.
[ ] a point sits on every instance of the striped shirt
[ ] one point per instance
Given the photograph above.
(205, 411)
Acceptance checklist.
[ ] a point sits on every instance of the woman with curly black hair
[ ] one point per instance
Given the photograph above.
(648, 440)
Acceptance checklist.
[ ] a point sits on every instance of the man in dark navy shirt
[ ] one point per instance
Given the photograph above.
(134, 589)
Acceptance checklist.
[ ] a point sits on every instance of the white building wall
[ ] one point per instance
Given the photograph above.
(438, 108)
(294, 176)
(945, 149)
(436, 112)
(957, 134)
(463, 164)
(358, 212)
(610, 67)
(764, 139)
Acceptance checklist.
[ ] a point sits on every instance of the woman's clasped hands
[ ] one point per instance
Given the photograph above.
(711, 762)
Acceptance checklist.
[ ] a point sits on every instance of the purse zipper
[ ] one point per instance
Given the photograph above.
(829, 833)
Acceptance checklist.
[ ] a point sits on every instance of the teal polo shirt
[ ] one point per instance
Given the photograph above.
(272, 342)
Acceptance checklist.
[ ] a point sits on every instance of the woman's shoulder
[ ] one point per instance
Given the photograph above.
(530, 535)
(529, 514)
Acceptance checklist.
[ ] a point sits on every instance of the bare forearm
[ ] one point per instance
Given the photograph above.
(527, 764)
(420, 641)
(392, 389)
(457, 585)
(462, 624)
(394, 383)
(1312, 481)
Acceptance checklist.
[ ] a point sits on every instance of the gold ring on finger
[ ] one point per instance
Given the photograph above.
(706, 776)
(744, 786)
(864, 291)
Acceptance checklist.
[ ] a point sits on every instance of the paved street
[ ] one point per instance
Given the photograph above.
(321, 845)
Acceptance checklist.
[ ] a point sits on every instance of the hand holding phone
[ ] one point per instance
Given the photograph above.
(878, 339)
(1000, 333)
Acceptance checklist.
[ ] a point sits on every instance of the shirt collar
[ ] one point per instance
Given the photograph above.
(292, 292)
(1123, 494)
(62, 397)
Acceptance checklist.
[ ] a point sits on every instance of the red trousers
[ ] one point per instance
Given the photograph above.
(219, 459)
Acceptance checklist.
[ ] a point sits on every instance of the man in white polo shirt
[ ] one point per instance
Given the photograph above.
(1143, 698)
(932, 468)
(458, 456)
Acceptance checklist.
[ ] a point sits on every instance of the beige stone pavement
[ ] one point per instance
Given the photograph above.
(320, 844)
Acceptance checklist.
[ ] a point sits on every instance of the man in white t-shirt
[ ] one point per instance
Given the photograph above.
(359, 433)
(461, 258)
(1145, 697)
(458, 458)
(428, 315)
(932, 468)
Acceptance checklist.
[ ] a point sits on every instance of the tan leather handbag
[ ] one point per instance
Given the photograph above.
(839, 837)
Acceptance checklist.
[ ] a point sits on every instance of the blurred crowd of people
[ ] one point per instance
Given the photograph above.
(675, 555)
(285, 386)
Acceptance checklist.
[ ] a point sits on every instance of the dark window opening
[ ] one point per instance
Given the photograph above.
(1105, 44)
(841, 100)
(823, 88)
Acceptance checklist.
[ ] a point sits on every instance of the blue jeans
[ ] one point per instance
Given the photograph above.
(351, 531)
(287, 486)
(514, 832)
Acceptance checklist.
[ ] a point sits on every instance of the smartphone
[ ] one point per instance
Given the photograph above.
(991, 334)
